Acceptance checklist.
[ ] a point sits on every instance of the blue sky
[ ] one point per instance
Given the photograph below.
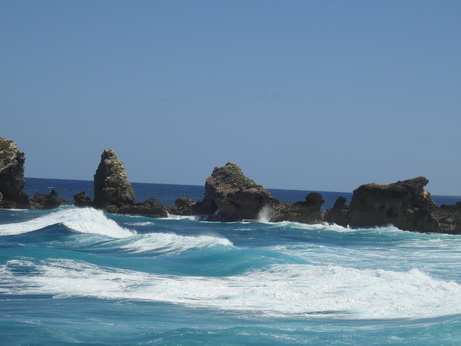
(309, 95)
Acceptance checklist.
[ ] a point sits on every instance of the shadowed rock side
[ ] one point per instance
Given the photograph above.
(339, 214)
(231, 196)
(404, 204)
(308, 211)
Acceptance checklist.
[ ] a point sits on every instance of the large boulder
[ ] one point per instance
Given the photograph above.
(232, 196)
(12, 176)
(111, 185)
(404, 204)
(307, 211)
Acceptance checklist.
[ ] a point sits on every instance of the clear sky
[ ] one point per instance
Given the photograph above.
(308, 95)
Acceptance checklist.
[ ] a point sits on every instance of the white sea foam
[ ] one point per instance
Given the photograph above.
(182, 217)
(265, 214)
(283, 290)
(84, 220)
(172, 243)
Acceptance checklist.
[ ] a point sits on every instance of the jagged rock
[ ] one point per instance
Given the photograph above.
(47, 201)
(308, 211)
(82, 200)
(339, 214)
(183, 205)
(448, 218)
(232, 195)
(12, 176)
(111, 185)
(149, 208)
(404, 204)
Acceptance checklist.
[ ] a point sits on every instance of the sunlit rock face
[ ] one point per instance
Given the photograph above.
(12, 176)
(111, 185)
(233, 196)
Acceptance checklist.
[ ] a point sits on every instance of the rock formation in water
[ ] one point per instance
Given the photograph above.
(307, 211)
(111, 185)
(114, 193)
(82, 200)
(339, 214)
(47, 201)
(231, 196)
(150, 208)
(12, 176)
(447, 219)
(404, 204)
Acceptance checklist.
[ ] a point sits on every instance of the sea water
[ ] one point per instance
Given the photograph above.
(77, 275)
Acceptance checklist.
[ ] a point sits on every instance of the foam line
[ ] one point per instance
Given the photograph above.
(84, 220)
(283, 290)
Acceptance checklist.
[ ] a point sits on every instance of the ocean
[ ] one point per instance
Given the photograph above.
(76, 275)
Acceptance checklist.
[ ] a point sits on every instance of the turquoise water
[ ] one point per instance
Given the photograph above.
(76, 275)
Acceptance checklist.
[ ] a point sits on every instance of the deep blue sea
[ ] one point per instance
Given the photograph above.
(77, 275)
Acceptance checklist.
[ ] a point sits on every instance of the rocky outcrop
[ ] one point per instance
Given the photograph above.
(447, 219)
(47, 201)
(231, 196)
(111, 185)
(12, 176)
(308, 211)
(114, 193)
(339, 214)
(404, 204)
(184, 206)
(149, 208)
(82, 200)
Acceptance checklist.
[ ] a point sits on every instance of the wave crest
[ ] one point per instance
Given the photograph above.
(83, 220)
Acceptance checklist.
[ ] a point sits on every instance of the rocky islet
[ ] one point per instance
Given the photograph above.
(231, 196)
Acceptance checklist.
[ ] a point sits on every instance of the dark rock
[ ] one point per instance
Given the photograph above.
(111, 185)
(149, 208)
(339, 214)
(184, 206)
(47, 201)
(82, 200)
(447, 219)
(205, 206)
(12, 175)
(404, 204)
(235, 196)
(308, 211)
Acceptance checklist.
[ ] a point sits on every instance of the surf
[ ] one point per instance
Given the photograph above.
(82, 220)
